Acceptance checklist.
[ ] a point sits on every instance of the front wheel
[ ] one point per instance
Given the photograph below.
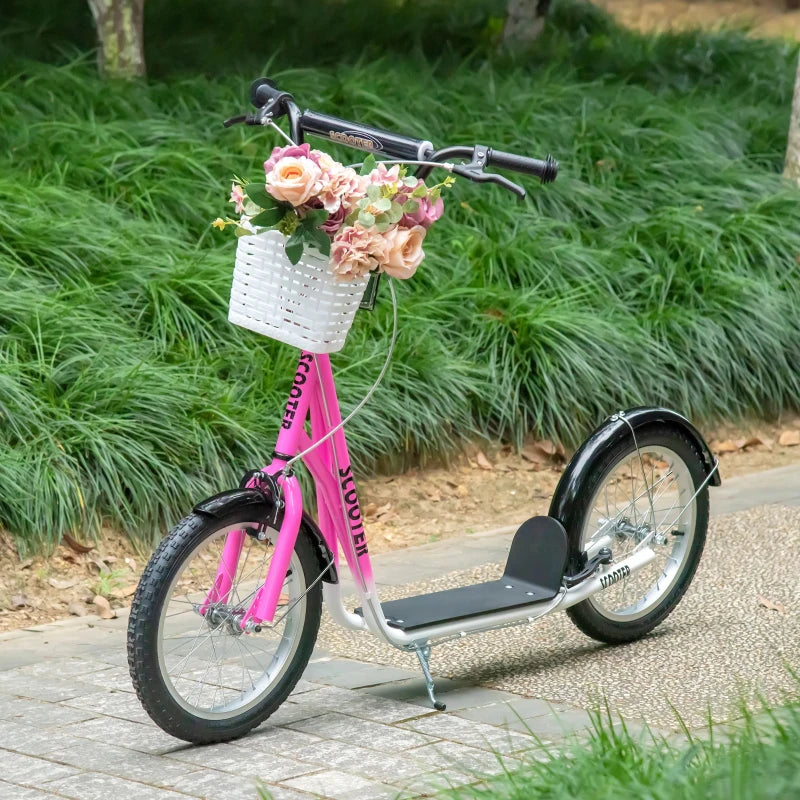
(199, 676)
(629, 499)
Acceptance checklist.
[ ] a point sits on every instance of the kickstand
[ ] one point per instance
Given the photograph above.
(424, 656)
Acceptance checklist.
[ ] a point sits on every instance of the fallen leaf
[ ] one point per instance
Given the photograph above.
(109, 559)
(96, 565)
(383, 510)
(370, 509)
(752, 441)
(771, 605)
(19, 600)
(26, 563)
(103, 607)
(77, 609)
(482, 461)
(789, 439)
(435, 496)
(58, 583)
(724, 447)
(125, 591)
(77, 546)
(534, 454)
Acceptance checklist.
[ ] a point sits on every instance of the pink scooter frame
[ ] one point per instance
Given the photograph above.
(313, 394)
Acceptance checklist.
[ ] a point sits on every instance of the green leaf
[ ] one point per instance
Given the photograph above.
(410, 181)
(373, 191)
(294, 247)
(315, 218)
(321, 241)
(383, 226)
(368, 165)
(384, 204)
(410, 206)
(420, 191)
(259, 195)
(395, 212)
(366, 219)
(268, 218)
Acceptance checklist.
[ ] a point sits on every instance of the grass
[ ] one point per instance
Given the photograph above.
(756, 759)
(660, 268)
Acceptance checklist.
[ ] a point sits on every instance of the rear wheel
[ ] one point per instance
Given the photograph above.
(627, 500)
(197, 673)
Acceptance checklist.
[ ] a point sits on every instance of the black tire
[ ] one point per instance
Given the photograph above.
(143, 635)
(586, 615)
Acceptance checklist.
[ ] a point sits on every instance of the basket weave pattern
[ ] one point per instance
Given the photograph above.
(300, 304)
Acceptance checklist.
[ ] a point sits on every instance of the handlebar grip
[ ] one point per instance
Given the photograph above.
(546, 170)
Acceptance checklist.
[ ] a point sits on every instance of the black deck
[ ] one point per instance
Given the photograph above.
(533, 574)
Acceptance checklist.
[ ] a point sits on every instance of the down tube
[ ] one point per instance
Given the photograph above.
(356, 543)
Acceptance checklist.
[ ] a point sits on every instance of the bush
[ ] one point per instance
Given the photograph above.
(660, 268)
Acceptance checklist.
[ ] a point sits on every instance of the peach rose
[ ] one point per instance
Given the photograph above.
(357, 250)
(403, 251)
(293, 180)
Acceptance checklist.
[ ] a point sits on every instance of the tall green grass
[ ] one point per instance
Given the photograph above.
(661, 267)
(757, 759)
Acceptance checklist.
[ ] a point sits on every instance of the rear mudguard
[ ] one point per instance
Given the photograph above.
(609, 434)
(222, 504)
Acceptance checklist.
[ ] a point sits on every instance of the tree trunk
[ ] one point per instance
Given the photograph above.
(791, 168)
(120, 52)
(525, 21)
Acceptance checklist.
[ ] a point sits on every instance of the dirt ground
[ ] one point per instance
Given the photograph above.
(762, 17)
(486, 488)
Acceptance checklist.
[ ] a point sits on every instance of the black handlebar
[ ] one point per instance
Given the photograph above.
(272, 103)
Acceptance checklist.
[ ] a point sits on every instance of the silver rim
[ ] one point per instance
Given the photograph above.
(212, 668)
(642, 499)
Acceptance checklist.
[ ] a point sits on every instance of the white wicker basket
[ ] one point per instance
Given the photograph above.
(300, 304)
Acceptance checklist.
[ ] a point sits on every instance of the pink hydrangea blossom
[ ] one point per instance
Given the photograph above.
(356, 251)
(427, 212)
(381, 176)
(290, 151)
(340, 187)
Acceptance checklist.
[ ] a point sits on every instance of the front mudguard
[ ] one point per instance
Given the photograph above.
(609, 434)
(222, 504)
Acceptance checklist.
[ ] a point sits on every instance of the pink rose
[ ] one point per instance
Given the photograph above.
(291, 151)
(237, 196)
(356, 251)
(334, 221)
(404, 251)
(293, 180)
(340, 186)
(427, 212)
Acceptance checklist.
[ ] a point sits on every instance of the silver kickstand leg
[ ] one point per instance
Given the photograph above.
(424, 656)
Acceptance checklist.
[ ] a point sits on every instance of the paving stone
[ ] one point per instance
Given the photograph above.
(280, 740)
(469, 761)
(241, 760)
(555, 726)
(62, 667)
(290, 712)
(212, 784)
(124, 705)
(334, 784)
(94, 786)
(303, 686)
(435, 783)
(511, 711)
(413, 690)
(385, 738)
(133, 735)
(476, 734)
(472, 697)
(38, 714)
(123, 763)
(52, 689)
(10, 791)
(274, 792)
(34, 741)
(19, 768)
(371, 764)
(353, 674)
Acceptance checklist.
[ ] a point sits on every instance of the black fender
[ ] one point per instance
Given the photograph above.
(222, 504)
(609, 434)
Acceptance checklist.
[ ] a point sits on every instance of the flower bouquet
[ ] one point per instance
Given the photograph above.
(374, 220)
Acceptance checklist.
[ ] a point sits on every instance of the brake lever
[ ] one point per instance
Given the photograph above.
(479, 176)
(261, 117)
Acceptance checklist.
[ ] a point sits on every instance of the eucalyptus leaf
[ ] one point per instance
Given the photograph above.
(410, 181)
(366, 219)
(410, 206)
(384, 204)
(368, 165)
(420, 191)
(373, 191)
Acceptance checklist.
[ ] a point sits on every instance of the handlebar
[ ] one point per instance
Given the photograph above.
(273, 103)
